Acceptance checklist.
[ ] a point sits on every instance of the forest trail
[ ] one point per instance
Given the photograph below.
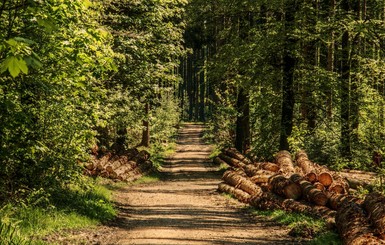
(184, 207)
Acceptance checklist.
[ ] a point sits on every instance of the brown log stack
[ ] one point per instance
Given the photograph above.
(306, 188)
(127, 167)
(309, 191)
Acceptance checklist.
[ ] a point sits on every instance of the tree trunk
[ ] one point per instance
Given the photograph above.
(289, 63)
(242, 135)
(346, 130)
(146, 128)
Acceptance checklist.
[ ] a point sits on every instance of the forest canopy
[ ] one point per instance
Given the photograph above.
(80, 75)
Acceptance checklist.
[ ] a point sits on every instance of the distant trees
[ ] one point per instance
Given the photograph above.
(313, 71)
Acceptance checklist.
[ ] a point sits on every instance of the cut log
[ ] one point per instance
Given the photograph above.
(285, 187)
(337, 187)
(237, 193)
(311, 177)
(111, 166)
(374, 204)
(120, 172)
(285, 163)
(261, 178)
(337, 200)
(269, 166)
(252, 170)
(234, 153)
(353, 226)
(231, 161)
(319, 186)
(309, 191)
(232, 178)
(219, 161)
(267, 201)
(304, 163)
(325, 178)
(238, 181)
(103, 161)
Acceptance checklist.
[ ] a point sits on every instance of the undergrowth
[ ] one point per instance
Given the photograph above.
(28, 221)
(302, 226)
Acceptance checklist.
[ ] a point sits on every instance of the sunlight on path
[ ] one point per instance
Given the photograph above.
(184, 208)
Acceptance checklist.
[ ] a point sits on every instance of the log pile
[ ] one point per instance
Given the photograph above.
(305, 187)
(127, 166)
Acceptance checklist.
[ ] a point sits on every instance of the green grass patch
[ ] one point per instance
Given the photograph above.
(71, 208)
(303, 226)
(150, 178)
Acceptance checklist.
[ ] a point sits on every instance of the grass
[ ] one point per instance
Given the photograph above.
(71, 208)
(302, 226)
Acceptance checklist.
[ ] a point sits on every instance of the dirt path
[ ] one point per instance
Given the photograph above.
(184, 207)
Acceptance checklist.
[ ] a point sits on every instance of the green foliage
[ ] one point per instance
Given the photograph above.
(37, 216)
(10, 235)
(303, 226)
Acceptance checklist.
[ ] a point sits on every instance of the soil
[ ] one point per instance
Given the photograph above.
(184, 207)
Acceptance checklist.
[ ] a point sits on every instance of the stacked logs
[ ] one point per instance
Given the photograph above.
(127, 166)
(305, 187)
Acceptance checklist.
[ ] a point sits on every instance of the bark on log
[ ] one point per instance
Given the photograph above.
(234, 153)
(319, 186)
(238, 181)
(267, 201)
(217, 160)
(285, 163)
(252, 170)
(111, 166)
(285, 187)
(338, 187)
(309, 191)
(103, 161)
(120, 172)
(374, 204)
(269, 166)
(311, 177)
(353, 226)
(231, 161)
(304, 163)
(261, 178)
(337, 200)
(237, 193)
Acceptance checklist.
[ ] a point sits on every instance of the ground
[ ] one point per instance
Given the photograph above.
(184, 207)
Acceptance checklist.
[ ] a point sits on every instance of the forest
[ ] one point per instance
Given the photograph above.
(85, 76)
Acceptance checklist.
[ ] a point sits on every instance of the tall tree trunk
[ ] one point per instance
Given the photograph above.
(242, 134)
(146, 127)
(202, 87)
(289, 63)
(330, 58)
(345, 91)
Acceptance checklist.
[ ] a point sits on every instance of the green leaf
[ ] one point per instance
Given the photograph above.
(13, 66)
(23, 66)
